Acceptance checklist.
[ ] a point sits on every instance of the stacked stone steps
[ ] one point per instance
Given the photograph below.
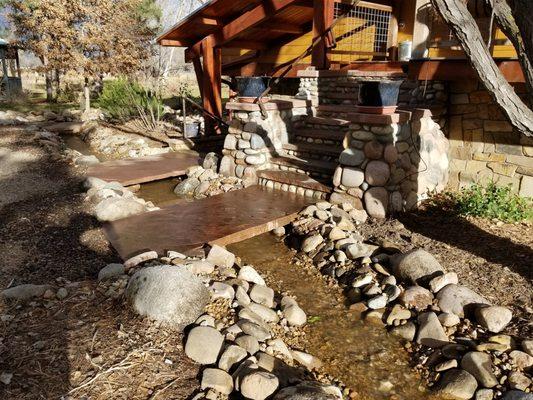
(318, 136)
(294, 182)
(314, 151)
(316, 168)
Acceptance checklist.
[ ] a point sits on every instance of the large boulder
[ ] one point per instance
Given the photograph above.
(168, 294)
(116, 208)
(416, 266)
(459, 300)
(309, 391)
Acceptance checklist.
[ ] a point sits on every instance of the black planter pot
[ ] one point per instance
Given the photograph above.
(381, 95)
(251, 87)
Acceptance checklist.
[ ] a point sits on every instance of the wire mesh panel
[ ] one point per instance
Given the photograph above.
(363, 33)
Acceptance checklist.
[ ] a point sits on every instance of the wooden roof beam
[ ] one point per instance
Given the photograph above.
(173, 43)
(249, 19)
(246, 44)
(283, 27)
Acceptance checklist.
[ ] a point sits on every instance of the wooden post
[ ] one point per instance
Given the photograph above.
(212, 85)
(198, 70)
(322, 20)
(393, 37)
(18, 63)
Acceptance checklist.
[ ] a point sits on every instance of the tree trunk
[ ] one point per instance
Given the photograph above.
(49, 88)
(58, 84)
(463, 25)
(86, 96)
(506, 22)
(523, 13)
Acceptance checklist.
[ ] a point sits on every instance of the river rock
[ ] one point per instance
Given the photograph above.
(520, 359)
(457, 384)
(259, 385)
(307, 360)
(416, 266)
(352, 177)
(25, 292)
(248, 343)
(186, 186)
(86, 160)
(139, 259)
(218, 380)
(479, 365)
(373, 150)
(220, 257)
(262, 295)
(360, 250)
(517, 395)
(249, 274)
(494, 318)
(295, 316)
(200, 267)
(407, 331)
(377, 202)
(115, 208)
(377, 302)
(352, 157)
(111, 271)
(459, 300)
(204, 344)
(416, 297)
(220, 290)
(265, 313)
(310, 243)
(448, 320)
(167, 294)
(255, 330)
(437, 283)
(527, 346)
(309, 391)
(484, 394)
(232, 355)
(517, 380)
(377, 173)
(430, 331)
(211, 161)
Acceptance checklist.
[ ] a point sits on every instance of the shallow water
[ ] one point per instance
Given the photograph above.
(76, 143)
(161, 193)
(362, 356)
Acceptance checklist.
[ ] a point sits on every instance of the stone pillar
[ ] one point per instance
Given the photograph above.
(389, 167)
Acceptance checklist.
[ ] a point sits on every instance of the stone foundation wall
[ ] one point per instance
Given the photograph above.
(252, 140)
(432, 95)
(387, 168)
(484, 146)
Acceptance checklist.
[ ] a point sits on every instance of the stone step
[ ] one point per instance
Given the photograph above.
(302, 165)
(327, 121)
(294, 179)
(319, 150)
(310, 135)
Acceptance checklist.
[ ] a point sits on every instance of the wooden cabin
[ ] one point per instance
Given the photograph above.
(261, 37)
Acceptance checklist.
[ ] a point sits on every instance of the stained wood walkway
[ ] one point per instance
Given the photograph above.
(224, 219)
(133, 171)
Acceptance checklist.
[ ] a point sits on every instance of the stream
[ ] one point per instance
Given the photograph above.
(368, 360)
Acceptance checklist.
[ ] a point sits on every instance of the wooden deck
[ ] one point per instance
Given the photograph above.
(224, 219)
(133, 171)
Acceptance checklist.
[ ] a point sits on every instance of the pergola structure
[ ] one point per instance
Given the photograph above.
(262, 37)
(259, 26)
(11, 81)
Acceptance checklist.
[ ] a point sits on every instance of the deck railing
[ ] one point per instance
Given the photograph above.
(363, 34)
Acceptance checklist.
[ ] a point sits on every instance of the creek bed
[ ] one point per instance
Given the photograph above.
(368, 360)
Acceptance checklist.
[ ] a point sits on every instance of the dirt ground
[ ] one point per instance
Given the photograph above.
(93, 347)
(492, 258)
(53, 347)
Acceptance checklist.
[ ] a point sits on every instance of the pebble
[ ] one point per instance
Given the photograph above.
(377, 302)
(111, 271)
(6, 377)
(398, 313)
(446, 365)
(416, 297)
(484, 394)
(62, 293)
(219, 256)
(437, 283)
(307, 360)
(310, 243)
(249, 343)
(527, 346)
(255, 330)
(362, 281)
(407, 331)
(448, 320)
(295, 315)
(232, 355)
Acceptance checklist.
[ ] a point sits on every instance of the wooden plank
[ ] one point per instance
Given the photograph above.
(144, 169)
(222, 219)
(247, 20)
(283, 27)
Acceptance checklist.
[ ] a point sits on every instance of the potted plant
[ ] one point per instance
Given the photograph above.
(379, 96)
(249, 88)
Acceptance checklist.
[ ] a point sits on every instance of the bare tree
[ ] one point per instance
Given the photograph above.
(464, 27)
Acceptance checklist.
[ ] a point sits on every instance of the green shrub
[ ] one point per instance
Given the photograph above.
(490, 201)
(124, 100)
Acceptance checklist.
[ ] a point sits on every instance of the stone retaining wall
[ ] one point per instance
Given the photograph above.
(252, 140)
(392, 167)
(484, 146)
